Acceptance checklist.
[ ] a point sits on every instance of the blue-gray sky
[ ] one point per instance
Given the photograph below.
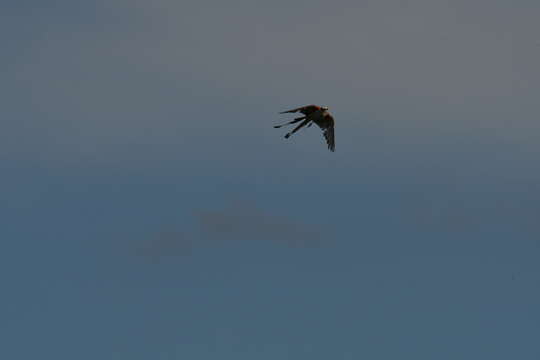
(150, 210)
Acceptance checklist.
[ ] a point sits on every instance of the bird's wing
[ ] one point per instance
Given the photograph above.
(327, 126)
(330, 139)
(306, 110)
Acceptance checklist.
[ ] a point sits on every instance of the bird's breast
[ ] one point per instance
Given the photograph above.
(317, 115)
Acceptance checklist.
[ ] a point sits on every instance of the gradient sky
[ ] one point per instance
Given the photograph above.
(150, 210)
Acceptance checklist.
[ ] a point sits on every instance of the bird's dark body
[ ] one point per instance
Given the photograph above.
(306, 110)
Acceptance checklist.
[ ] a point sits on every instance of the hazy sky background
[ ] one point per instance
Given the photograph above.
(150, 210)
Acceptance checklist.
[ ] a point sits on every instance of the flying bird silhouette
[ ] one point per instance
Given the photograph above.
(313, 114)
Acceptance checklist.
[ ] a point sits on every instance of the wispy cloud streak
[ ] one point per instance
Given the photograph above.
(247, 223)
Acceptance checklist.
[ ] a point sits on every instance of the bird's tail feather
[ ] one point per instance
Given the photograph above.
(290, 122)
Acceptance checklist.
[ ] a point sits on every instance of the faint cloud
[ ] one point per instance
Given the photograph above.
(235, 223)
(244, 222)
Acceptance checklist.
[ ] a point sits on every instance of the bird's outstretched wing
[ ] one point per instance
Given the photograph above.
(306, 110)
(327, 126)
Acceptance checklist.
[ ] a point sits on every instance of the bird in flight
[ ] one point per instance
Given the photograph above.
(313, 114)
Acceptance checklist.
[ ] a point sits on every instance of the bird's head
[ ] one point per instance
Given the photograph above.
(324, 108)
